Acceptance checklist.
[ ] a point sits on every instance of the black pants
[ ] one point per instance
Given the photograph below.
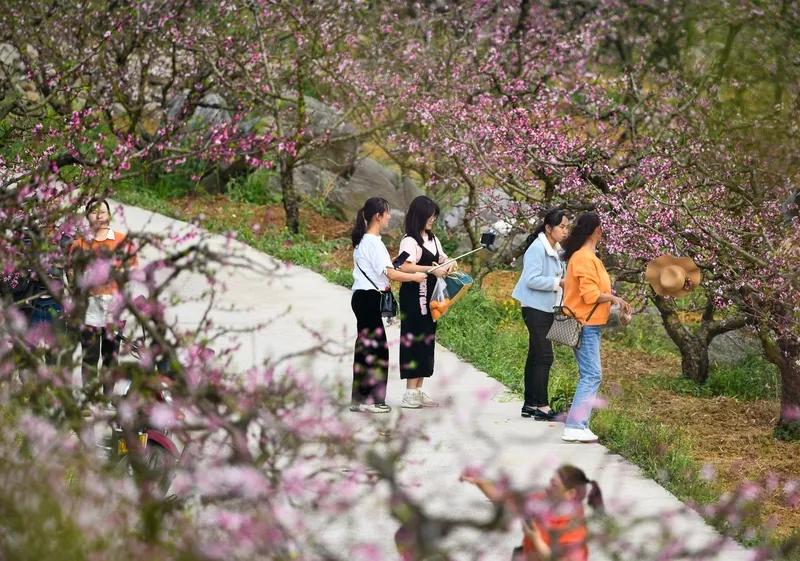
(371, 355)
(540, 356)
(97, 341)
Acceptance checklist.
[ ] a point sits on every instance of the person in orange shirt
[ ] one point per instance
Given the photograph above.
(553, 521)
(588, 295)
(98, 257)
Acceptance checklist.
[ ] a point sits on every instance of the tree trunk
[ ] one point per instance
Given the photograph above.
(693, 347)
(784, 352)
(289, 195)
(790, 394)
(694, 360)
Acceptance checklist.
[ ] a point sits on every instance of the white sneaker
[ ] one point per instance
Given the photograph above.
(578, 435)
(426, 400)
(411, 399)
(370, 408)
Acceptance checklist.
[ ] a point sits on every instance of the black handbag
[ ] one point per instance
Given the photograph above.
(388, 305)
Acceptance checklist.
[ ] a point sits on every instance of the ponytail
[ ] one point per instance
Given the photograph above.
(372, 207)
(359, 228)
(595, 498)
(573, 477)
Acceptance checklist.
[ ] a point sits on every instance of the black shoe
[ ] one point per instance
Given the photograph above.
(537, 414)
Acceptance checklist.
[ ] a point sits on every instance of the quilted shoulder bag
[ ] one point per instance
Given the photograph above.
(388, 304)
(566, 329)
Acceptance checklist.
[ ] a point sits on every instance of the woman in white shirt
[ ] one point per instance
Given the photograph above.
(372, 271)
(417, 328)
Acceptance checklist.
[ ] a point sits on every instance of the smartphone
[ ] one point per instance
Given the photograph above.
(488, 239)
(400, 259)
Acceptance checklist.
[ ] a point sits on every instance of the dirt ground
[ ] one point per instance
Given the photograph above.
(732, 436)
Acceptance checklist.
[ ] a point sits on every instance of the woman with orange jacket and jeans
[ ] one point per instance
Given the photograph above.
(587, 293)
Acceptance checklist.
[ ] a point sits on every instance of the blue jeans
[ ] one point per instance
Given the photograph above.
(45, 310)
(587, 355)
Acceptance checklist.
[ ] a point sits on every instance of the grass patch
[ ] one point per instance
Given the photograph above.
(154, 195)
(253, 188)
(750, 380)
(342, 277)
(660, 451)
(646, 334)
(477, 327)
(754, 378)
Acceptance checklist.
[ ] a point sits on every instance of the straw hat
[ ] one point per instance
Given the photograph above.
(668, 275)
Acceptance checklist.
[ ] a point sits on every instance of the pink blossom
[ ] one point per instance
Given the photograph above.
(97, 273)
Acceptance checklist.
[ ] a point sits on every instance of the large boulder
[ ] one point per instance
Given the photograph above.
(339, 152)
(313, 182)
(210, 112)
(372, 179)
(733, 347)
(346, 194)
(13, 81)
(10, 59)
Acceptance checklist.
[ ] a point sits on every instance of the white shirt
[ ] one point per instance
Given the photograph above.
(373, 257)
(98, 309)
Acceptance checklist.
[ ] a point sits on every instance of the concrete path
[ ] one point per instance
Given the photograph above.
(479, 426)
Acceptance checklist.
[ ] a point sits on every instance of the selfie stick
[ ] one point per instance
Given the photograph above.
(454, 259)
(487, 241)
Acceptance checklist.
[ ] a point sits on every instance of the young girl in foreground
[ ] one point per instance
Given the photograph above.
(553, 521)
(372, 271)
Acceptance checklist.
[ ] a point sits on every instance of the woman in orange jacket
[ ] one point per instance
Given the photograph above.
(588, 294)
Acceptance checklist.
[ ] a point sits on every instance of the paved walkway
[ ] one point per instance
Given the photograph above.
(479, 426)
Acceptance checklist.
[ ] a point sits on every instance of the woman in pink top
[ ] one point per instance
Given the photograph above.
(417, 328)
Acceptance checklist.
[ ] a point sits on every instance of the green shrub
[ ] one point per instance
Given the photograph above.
(253, 188)
(645, 333)
(752, 379)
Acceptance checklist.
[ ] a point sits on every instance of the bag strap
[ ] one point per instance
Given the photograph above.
(592, 312)
(367, 277)
(563, 307)
(563, 293)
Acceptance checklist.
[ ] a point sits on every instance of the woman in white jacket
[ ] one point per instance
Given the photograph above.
(539, 291)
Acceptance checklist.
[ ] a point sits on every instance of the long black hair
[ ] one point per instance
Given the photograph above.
(584, 227)
(552, 218)
(573, 477)
(372, 207)
(419, 211)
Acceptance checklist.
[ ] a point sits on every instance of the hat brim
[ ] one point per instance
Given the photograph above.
(653, 274)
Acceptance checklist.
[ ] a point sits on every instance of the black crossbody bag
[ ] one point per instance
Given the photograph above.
(388, 304)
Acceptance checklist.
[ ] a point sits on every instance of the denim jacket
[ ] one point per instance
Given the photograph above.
(538, 286)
